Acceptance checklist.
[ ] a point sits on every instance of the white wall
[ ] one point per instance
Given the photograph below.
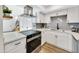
(19, 9)
(25, 23)
(9, 25)
(1, 38)
(1, 13)
(1, 30)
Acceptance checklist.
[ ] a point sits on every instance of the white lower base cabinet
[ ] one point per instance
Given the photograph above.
(16, 47)
(78, 46)
(75, 45)
(61, 40)
(47, 37)
(67, 42)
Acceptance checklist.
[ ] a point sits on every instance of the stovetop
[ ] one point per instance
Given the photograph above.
(30, 32)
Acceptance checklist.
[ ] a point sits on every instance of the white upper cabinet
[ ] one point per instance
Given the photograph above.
(59, 13)
(73, 15)
(38, 20)
(62, 12)
(54, 14)
(41, 18)
(47, 19)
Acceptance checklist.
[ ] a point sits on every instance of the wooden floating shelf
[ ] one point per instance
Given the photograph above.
(10, 17)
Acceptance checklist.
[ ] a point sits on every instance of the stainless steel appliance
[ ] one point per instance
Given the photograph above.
(33, 40)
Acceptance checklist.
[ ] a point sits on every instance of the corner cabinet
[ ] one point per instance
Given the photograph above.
(73, 15)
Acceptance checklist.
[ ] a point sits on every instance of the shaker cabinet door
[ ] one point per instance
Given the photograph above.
(73, 15)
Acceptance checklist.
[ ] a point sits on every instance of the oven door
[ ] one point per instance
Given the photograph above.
(32, 45)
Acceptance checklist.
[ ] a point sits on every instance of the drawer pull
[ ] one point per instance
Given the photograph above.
(18, 43)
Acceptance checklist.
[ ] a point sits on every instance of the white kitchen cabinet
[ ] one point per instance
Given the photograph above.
(60, 39)
(75, 45)
(18, 46)
(55, 14)
(67, 42)
(58, 13)
(42, 18)
(47, 19)
(78, 45)
(64, 41)
(44, 37)
(73, 15)
(49, 37)
(62, 12)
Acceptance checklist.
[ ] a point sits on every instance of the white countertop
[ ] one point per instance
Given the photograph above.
(42, 29)
(12, 36)
(76, 35)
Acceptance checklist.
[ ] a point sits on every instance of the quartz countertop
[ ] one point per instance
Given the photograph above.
(42, 29)
(76, 35)
(12, 36)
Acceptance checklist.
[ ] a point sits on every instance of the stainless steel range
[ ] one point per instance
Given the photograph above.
(33, 40)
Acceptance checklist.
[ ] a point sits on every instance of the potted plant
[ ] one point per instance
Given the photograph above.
(7, 12)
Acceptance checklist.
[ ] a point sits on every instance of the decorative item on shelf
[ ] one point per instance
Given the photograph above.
(17, 26)
(6, 12)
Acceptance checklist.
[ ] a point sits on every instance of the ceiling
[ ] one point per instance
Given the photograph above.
(47, 6)
(50, 8)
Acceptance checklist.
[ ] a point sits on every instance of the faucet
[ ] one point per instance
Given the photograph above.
(57, 26)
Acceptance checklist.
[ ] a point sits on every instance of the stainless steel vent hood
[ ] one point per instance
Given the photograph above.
(28, 11)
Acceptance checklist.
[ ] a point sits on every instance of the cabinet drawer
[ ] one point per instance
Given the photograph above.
(15, 46)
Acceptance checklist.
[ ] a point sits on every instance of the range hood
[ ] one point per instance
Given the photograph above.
(28, 11)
